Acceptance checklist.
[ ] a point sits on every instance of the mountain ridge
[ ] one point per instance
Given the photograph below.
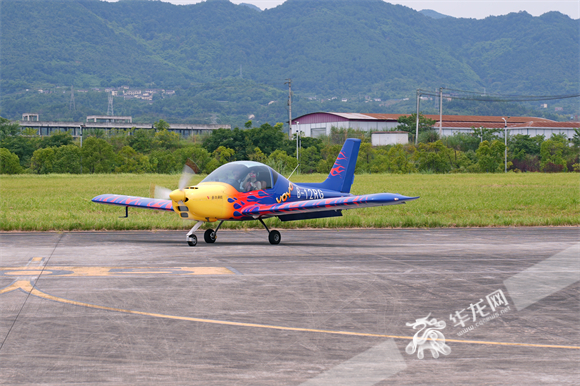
(329, 48)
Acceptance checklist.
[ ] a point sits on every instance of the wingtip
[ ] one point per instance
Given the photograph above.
(96, 198)
(406, 198)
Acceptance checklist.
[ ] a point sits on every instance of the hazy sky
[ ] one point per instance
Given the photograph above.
(478, 9)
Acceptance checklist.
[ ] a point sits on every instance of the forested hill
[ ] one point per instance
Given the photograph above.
(328, 47)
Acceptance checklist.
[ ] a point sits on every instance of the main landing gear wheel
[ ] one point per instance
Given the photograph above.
(209, 236)
(274, 237)
(192, 240)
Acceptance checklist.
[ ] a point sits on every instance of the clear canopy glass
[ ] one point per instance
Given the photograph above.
(244, 176)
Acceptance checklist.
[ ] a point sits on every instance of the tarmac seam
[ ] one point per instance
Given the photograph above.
(32, 285)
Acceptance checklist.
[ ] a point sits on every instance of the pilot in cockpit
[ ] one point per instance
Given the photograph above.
(236, 179)
(251, 183)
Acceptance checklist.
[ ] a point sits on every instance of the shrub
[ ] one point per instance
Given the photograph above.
(9, 162)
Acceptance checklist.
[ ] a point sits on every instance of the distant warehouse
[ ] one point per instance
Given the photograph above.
(320, 123)
(108, 123)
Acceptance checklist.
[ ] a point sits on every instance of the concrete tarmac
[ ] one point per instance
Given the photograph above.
(325, 307)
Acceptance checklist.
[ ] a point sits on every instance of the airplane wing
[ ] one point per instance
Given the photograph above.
(307, 206)
(135, 202)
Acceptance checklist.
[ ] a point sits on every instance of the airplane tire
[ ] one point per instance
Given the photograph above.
(274, 237)
(192, 240)
(209, 236)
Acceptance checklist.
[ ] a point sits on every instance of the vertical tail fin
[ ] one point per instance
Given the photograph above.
(341, 175)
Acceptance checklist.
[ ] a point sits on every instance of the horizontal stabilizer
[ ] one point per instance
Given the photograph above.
(326, 204)
(311, 215)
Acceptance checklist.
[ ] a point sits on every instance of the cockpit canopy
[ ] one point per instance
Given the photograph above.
(244, 176)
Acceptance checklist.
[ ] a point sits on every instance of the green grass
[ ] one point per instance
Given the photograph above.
(63, 202)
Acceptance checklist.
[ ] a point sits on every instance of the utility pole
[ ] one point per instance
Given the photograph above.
(289, 83)
(417, 123)
(71, 106)
(505, 139)
(81, 129)
(440, 112)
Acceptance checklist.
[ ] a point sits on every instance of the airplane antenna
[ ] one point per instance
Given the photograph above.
(293, 171)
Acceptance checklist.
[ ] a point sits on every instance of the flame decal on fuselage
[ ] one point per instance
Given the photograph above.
(239, 200)
(338, 168)
(335, 171)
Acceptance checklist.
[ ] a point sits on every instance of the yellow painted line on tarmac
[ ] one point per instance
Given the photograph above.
(21, 284)
(29, 288)
(23, 273)
(112, 271)
(35, 259)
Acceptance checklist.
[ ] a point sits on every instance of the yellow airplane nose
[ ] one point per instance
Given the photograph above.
(177, 195)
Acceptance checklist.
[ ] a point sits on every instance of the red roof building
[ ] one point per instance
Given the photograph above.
(316, 124)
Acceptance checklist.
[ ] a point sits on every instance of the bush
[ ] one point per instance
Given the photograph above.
(491, 157)
(552, 154)
(429, 136)
(463, 142)
(399, 159)
(67, 159)
(9, 162)
(43, 160)
(434, 157)
(282, 162)
(129, 161)
(529, 163)
(550, 167)
(98, 156)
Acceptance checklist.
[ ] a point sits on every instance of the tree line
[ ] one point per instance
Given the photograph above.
(162, 151)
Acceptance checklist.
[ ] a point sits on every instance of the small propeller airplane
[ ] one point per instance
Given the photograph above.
(248, 190)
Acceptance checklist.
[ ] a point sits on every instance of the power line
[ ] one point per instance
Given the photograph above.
(476, 96)
(562, 96)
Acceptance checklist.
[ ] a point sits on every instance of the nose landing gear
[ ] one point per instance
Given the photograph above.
(192, 240)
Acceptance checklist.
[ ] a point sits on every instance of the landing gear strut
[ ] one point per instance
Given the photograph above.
(274, 236)
(191, 238)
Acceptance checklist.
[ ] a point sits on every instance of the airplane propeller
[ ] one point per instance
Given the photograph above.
(189, 170)
(161, 193)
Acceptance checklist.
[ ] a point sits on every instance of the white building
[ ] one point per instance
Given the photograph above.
(384, 138)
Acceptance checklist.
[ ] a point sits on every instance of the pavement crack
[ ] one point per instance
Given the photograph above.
(33, 282)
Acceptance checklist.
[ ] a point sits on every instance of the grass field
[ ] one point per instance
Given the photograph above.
(63, 202)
